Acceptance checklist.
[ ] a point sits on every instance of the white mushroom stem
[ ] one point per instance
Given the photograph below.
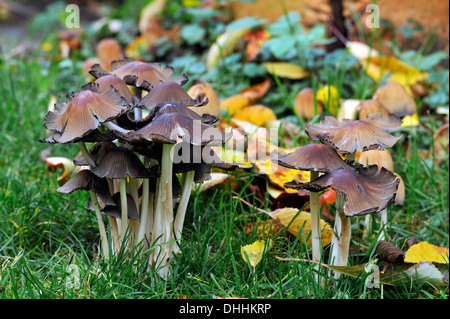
(114, 233)
(101, 225)
(145, 206)
(87, 156)
(162, 230)
(114, 127)
(316, 243)
(124, 209)
(188, 181)
(384, 221)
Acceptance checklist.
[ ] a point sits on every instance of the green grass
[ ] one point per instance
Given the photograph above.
(45, 236)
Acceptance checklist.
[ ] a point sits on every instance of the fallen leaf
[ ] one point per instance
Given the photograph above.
(392, 69)
(295, 221)
(279, 175)
(223, 46)
(256, 114)
(255, 39)
(425, 251)
(246, 97)
(390, 253)
(360, 50)
(328, 95)
(410, 120)
(254, 252)
(286, 70)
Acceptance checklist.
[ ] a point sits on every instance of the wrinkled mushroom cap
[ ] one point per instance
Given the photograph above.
(105, 82)
(139, 74)
(120, 162)
(347, 136)
(86, 180)
(115, 210)
(396, 99)
(169, 128)
(83, 113)
(311, 157)
(365, 190)
(169, 91)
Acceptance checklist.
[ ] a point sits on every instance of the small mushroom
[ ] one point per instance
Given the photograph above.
(304, 104)
(105, 82)
(363, 190)
(201, 92)
(121, 163)
(396, 99)
(169, 91)
(86, 180)
(347, 136)
(370, 106)
(315, 158)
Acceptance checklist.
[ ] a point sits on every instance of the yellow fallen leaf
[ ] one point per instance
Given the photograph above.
(286, 70)
(223, 46)
(244, 98)
(425, 251)
(254, 252)
(295, 221)
(329, 95)
(256, 114)
(410, 120)
(279, 175)
(396, 70)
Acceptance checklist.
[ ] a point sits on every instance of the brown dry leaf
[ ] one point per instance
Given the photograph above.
(425, 251)
(257, 91)
(390, 253)
(286, 70)
(296, 221)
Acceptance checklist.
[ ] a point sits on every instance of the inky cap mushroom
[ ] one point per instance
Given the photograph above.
(169, 91)
(86, 180)
(365, 190)
(311, 157)
(396, 99)
(83, 113)
(118, 163)
(347, 136)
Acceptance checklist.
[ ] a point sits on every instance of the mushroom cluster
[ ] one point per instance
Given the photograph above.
(360, 190)
(150, 145)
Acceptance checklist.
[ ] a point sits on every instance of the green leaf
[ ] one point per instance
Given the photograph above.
(192, 33)
(280, 46)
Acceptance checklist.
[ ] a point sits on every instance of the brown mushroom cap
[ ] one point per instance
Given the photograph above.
(86, 180)
(202, 92)
(83, 113)
(97, 152)
(304, 104)
(347, 136)
(169, 91)
(139, 74)
(105, 82)
(396, 99)
(311, 157)
(382, 158)
(108, 50)
(365, 190)
(169, 128)
(201, 159)
(120, 162)
(115, 210)
(370, 106)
